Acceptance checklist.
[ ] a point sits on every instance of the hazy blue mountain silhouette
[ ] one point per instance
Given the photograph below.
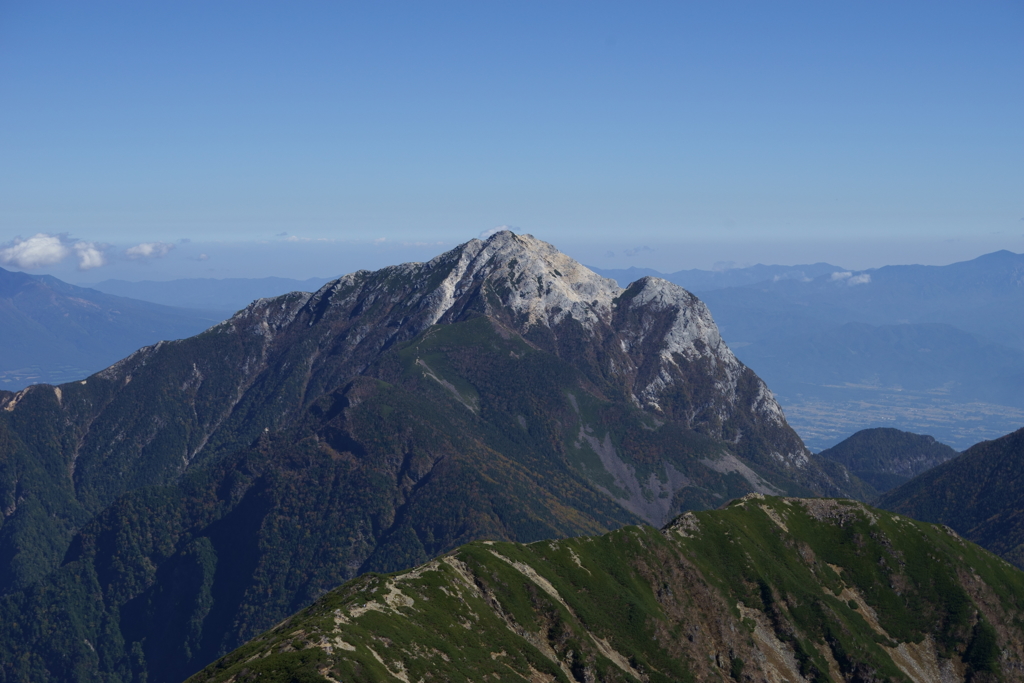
(697, 280)
(56, 332)
(886, 457)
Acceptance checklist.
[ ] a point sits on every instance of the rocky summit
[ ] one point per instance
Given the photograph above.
(167, 509)
(653, 343)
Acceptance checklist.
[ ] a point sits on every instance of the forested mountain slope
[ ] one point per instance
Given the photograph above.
(885, 457)
(176, 504)
(980, 494)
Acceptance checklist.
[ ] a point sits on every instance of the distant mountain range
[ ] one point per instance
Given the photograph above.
(163, 511)
(933, 349)
(768, 589)
(226, 295)
(54, 332)
(925, 349)
(700, 281)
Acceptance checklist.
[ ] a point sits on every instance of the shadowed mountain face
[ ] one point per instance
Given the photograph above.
(980, 494)
(769, 589)
(56, 332)
(886, 457)
(172, 506)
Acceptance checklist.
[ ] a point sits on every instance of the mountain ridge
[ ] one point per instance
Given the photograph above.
(927, 349)
(766, 589)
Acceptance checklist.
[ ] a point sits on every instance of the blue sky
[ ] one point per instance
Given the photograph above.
(313, 138)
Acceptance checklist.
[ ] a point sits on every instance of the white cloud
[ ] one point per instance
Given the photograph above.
(90, 255)
(46, 250)
(851, 279)
(35, 252)
(149, 250)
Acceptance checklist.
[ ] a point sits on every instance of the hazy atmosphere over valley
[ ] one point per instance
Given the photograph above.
(511, 341)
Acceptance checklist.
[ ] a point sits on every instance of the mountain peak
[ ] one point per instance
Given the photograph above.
(652, 339)
(534, 279)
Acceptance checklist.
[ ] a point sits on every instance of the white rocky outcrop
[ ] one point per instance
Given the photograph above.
(654, 323)
(540, 285)
(546, 285)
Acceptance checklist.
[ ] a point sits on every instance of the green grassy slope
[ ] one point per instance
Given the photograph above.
(769, 588)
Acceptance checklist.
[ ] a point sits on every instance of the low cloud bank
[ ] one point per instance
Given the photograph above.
(850, 278)
(42, 250)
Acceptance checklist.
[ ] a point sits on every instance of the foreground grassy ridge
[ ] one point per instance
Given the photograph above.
(767, 589)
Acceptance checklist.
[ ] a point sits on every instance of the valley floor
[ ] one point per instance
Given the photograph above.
(824, 421)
